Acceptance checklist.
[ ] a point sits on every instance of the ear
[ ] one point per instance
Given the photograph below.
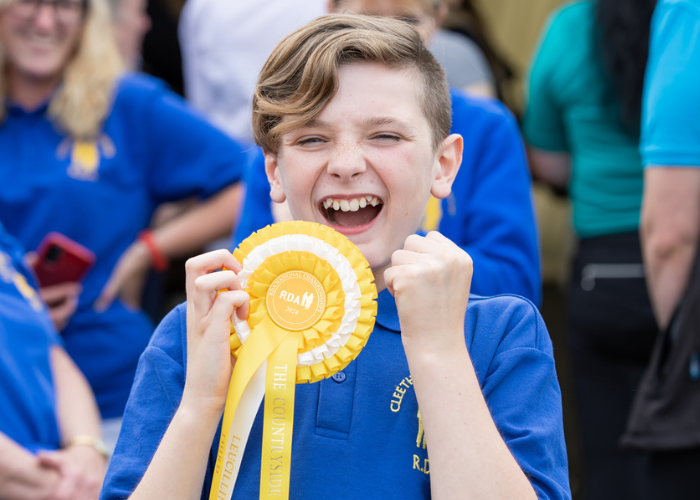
(449, 159)
(272, 170)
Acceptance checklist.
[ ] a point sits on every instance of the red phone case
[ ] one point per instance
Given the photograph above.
(61, 259)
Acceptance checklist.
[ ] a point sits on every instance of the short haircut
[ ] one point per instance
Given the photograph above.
(301, 75)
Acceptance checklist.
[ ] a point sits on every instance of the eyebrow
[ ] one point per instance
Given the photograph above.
(370, 122)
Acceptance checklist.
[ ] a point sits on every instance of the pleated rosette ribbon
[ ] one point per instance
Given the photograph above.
(312, 309)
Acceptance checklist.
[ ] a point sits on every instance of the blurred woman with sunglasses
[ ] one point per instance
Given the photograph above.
(90, 151)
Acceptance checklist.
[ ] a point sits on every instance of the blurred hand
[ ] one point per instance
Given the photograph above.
(81, 471)
(127, 279)
(62, 301)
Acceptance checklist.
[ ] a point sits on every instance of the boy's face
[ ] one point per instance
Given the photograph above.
(365, 166)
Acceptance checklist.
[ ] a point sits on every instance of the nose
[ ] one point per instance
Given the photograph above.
(346, 161)
(45, 17)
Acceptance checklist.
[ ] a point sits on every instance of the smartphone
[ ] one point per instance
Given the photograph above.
(60, 260)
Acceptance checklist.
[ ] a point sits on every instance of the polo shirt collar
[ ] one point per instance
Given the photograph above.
(16, 109)
(387, 314)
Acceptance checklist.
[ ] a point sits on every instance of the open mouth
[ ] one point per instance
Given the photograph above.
(351, 212)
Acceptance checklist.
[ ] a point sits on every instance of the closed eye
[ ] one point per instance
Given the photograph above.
(388, 137)
(307, 141)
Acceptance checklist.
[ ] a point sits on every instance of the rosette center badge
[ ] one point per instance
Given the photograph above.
(312, 309)
(296, 300)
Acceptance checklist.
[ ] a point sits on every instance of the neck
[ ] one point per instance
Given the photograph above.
(30, 93)
(379, 277)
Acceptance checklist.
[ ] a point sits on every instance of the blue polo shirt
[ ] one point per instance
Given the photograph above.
(358, 436)
(489, 212)
(27, 399)
(101, 193)
(670, 122)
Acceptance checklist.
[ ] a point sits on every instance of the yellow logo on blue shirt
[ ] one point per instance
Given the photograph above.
(420, 459)
(433, 213)
(9, 274)
(85, 156)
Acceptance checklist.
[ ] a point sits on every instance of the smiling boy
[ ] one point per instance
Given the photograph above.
(353, 109)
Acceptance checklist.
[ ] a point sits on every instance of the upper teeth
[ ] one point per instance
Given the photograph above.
(353, 204)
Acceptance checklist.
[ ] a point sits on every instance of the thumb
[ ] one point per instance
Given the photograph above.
(49, 459)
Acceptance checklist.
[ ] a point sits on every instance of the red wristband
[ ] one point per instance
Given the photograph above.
(160, 262)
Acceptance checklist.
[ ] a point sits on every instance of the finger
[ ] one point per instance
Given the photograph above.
(61, 313)
(433, 244)
(205, 288)
(390, 276)
(60, 292)
(209, 262)
(226, 303)
(31, 258)
(405, 257)
(49, 459)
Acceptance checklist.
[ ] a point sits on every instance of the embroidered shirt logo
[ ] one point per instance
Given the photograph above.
(433, 213)
(85, 156)
(420, 459)
(9, 274)
(421, 433)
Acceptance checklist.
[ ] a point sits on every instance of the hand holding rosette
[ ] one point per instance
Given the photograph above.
(312, 308)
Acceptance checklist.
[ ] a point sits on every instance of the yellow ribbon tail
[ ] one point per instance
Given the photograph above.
(278, 423)
(238, 421)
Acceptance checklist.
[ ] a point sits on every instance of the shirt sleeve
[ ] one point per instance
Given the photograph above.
(155, 397)
(543, 124)
(670, 123)
(519, 383)
(257, 211)
(188, 155)
(494, 219)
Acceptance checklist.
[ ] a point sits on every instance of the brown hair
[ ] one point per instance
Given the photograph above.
(301, 75)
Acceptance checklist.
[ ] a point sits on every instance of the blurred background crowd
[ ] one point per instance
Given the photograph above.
(125, 127)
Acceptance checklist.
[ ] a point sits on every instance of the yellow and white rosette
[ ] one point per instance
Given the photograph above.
(312, 308)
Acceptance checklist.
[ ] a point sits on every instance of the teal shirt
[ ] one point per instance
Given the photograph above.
(572, 108)
(670, 123)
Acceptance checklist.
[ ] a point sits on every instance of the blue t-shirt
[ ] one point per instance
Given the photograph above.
(362, 431)
(27, 399)
(153, 149)
(489, 212)
(670, 120)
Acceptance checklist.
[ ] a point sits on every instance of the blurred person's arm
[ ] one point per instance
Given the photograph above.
(670, 229)
(184, 157)
(80, 465)
(551, 167)
(543, 123)
(22, 477)
(191, 231)
(72, 473)
(670, 148)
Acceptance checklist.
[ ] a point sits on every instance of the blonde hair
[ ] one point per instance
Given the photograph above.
(301, 75)
(83, 99)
